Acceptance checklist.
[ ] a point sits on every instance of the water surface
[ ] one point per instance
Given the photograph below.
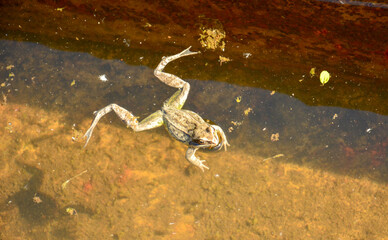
(306, 161)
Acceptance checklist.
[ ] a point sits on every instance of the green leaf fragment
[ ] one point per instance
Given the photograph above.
(324, 77)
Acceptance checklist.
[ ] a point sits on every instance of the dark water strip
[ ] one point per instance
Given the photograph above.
(358, 3)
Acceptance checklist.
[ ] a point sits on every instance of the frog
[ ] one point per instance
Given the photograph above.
(183, 125)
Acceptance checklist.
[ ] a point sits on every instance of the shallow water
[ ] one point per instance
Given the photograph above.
(300, 166)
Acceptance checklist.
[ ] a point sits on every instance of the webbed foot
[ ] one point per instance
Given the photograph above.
(185, 52)
(224, 141)
(190, 156)
(203, 166)
(170, 79)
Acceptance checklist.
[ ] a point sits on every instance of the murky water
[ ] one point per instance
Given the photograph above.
(300, 166)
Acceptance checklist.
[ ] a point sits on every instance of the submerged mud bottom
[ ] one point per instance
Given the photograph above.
(139, 186)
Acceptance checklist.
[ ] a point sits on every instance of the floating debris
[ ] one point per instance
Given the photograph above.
(71, 211)
(247, 55)
(324, 77)
(75, 134)
(335, 116)
(272, 93)
(4, 98)
(235, 123)
(72, 83)
(68, 180)
(9, 67)
(276, 156)
(223, 60)
(127, 42)
(36, 199)
(238, 99)
(275, 137)
(247, 111)
(103, 78)
(60, 9)
(312, 72)
(212, 38)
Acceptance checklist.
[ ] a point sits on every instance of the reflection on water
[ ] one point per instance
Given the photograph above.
(290, 166)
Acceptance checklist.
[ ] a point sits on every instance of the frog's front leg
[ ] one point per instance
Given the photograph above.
(152, 121)
(190, 156)
(224, 141)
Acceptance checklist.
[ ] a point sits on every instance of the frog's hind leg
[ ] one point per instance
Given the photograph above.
(170, 79)
(179, 98)
(152, 121)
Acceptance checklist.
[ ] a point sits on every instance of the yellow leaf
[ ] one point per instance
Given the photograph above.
(238, 99)
(60, 9)
(9, 67)
(223, 60)
(71, 211)
(324, 77)
(72, 83)
(312, 72)
(247, 111)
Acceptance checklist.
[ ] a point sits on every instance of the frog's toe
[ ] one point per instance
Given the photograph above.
(87, 135)
(187, 52)
(203, 166)
(226, 144)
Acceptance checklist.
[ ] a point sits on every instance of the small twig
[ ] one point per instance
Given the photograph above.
(68, 180)
(276, 156)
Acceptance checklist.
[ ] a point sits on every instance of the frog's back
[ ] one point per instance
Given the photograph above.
(181, 124)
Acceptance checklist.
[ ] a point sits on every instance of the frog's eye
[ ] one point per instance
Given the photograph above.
(208, 129)
(197, 142)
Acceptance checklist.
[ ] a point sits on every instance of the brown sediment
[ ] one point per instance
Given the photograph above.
(138, 185)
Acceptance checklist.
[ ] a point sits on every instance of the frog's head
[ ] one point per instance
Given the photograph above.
(210, 138)
(204, 136)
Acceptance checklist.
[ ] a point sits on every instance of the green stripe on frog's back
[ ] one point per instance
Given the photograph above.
(172, 101)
